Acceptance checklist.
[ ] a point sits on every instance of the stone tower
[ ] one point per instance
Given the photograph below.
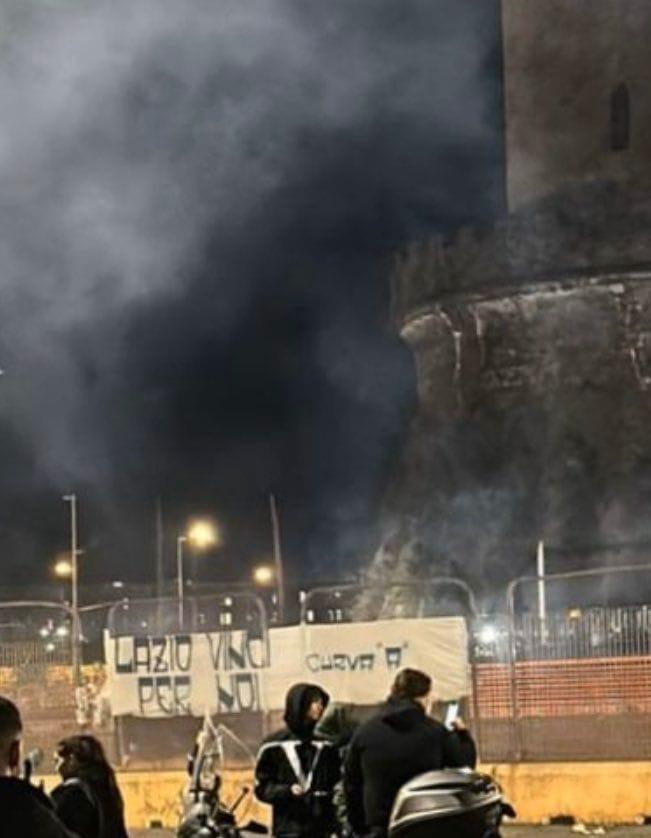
(532, 339)
(577, 76)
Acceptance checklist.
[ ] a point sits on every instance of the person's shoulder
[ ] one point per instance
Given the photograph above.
(369, 726)
(28, 808)
(280, 735)
(72, 787)
(15, 791)
(435, 726)
(275, 740)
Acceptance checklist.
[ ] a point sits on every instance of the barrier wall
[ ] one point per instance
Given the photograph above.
(598, 792)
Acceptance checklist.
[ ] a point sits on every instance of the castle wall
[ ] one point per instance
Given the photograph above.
(563, 60)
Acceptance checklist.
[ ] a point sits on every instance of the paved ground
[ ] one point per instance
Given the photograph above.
(510, 832)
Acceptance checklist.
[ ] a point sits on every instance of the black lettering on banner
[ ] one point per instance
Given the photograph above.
(183, 652)
(235, 650)
(239, 692)
(215, 642)
(166, 694)
(158, 649)
(253, 644)
(393, 656)
(182, 694)
(341, 662)
(236, 657)
(145, 695)
(141, 654)
(367, 662)
(123, 666)
(312, 662)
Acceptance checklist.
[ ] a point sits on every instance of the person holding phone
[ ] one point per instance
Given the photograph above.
(398, 743)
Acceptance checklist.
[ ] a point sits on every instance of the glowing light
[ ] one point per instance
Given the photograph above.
(203, 534)
(488, 634)
(62, 631)
(263, 574)
(44, 631)
(63, 569)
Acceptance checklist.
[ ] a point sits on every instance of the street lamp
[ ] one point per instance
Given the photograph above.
(201, 534)
(263, 575)
(62, 568)
(74, 581)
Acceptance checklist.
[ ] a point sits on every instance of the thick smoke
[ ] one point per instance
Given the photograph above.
(198, 201)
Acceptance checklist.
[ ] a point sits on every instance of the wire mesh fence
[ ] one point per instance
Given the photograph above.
(36, 670)
(572, 684)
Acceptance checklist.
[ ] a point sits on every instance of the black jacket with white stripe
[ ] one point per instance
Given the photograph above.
(296, 756)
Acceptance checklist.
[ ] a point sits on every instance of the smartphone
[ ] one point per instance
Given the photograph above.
(451, 713)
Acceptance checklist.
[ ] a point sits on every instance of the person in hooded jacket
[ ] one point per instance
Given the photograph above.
(27, 812)
(398, 743)
(296, 770)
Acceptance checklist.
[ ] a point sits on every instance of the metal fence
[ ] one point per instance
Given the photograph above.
(437, 597)
(571, 684)
(36, 670)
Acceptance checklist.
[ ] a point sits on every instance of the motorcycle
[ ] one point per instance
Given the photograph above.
(454, 803)
(205, 815)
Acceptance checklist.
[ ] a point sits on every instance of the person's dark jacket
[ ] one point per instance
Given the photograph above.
(90, 809)
(295, 755)
(26, 812)
(389, 749)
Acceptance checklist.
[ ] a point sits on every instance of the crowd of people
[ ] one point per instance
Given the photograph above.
(320, 779)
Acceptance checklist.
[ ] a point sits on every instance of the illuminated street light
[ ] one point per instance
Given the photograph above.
(263, 575)
(201, 534)
(488, 634)
(63, 568)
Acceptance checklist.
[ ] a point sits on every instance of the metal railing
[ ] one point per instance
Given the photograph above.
(572, 683)
(341, 603)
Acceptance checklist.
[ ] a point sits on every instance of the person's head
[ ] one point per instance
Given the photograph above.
(78, 756)
(412, 685)
(304, 707)
(11, 728)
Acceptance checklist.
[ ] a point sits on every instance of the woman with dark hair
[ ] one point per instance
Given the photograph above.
(88, 801)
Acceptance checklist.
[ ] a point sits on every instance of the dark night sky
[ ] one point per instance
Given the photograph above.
(198, 206)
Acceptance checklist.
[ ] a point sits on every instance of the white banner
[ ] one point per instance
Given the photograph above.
(231, 672)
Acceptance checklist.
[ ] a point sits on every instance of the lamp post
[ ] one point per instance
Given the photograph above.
(201, 534)
(278, 558)
(74, 582)
(180, 541)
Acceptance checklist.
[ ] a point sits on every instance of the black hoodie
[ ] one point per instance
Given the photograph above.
(295, 755)
(391, 748)
(27, 812)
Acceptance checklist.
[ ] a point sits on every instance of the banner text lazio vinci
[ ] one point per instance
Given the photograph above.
(185, 674)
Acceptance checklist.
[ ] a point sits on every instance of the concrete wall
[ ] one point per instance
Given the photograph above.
(593, 792)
